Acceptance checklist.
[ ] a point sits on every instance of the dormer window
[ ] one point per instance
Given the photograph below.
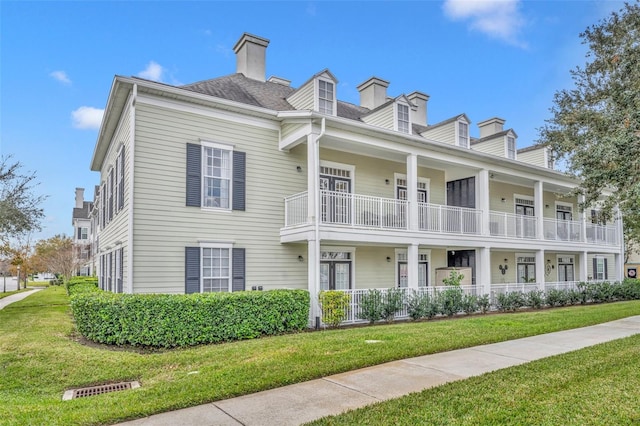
(511, 147)
(549, 158)
(463, 134)
(403, 118)
(326, 97)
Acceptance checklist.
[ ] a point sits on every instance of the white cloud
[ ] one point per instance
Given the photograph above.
(499, 19)
(87, 117)
(61, 76)
(154, 71)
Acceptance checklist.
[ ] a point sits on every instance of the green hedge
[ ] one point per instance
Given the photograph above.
(165, 320)
(82, 284)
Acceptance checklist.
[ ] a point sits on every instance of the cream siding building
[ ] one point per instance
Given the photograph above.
(244, 183)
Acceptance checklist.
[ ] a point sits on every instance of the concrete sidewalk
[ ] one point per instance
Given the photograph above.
(304, 402)
(16, 297)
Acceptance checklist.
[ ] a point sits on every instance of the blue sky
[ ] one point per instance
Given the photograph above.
(502, 58)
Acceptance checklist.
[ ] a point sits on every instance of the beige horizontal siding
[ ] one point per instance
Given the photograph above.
(493, 147)
(534, 157)
(445, 133)
(381, 118)
(303, 98)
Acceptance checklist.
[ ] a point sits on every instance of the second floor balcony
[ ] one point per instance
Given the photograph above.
(365, 211)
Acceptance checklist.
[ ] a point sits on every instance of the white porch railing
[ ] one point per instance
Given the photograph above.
(563, 230)
(602, 234)
(512, 225)
(343, 208)
(355, 300)
(296, 209)
(449, 219)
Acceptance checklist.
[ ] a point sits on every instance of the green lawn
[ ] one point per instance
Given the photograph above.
(39, 359)
(599, 385)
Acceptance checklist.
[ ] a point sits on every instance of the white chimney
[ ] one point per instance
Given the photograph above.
(79, 197)
(491, 126)
(373, 92)
(419, 113)
(250, 56)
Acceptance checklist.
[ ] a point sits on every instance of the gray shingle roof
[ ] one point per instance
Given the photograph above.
(531, 148)
(82, 213)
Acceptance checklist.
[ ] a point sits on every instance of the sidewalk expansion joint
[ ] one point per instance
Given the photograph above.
(328, 379)
(228, 414)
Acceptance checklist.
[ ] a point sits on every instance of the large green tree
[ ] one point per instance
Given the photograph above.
(20, 208)
(595, 127)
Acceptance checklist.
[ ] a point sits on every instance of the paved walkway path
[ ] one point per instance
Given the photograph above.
(16, 297)
(304, 402)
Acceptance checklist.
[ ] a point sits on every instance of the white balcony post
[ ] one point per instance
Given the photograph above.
(538, 192)
(313, 278)
(583, 219)
(483, 201)
(312, 173)
(483, 264)
(619, 261)
(583, 266)
(412, 266)
(412, 192)
(540, 265)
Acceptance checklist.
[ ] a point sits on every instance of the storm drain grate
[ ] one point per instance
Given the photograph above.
(97, 390)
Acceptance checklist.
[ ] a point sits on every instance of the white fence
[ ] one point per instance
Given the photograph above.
(602, 234)
(512, 225)
(449, 219)
(563, 230)
(295, 209)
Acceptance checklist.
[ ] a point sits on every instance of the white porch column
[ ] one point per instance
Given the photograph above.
(312, 177)
(540, 265)
(538, 192)
(483, 266)
(483, 201)
(412, 266)
(412, 195)
(583, 219)
(583, 267)
(313, 279)
(620, 236)
(619, 261)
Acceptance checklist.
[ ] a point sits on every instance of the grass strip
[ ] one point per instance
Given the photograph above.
(39, 359)
(599, 385)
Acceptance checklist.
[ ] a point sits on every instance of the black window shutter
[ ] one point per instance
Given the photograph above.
(120, 270)
(595, 268)
(121, 183)
(192, 270)
(238, 260)
(79, 232)
(606, 272)
(239, 176)
(194, 180)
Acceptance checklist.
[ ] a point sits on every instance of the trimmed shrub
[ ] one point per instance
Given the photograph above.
(469, 303)
(556, 297)
(82, 284)
(392, 303)
(417, 305)
(371, 306)
(165, 320)
(484, 303)
(511, 301)
(334, 307)
(451, 301)
(534, 299)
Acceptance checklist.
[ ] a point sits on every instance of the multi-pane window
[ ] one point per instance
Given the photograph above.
(463, 134)
(511, 147)
(83, 233)
(119, 186)
(403, 118)
(216, 269)
(217, 177)
(599, 272)
(325, 97)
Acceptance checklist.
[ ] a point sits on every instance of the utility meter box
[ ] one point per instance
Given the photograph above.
(442, 273)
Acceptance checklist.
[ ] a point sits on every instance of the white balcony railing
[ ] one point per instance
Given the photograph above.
(563, 230)
(295, 209)
(602, 234)
(340, 208)
(512, 225)
(449, 219)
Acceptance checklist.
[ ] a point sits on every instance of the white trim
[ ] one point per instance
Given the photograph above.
(457, 134)
(396, 127)
(348, 167)
(351, 250)
(424, 180)
(316, 94)
(398, 251)
(205, 144)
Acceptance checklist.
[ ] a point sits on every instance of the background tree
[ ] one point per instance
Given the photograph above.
(20, 208)
(57, 255)
(595, 126)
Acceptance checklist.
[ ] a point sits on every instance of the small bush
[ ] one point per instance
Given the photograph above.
(451, 301)
(556, 297)
(484, 303)
(534, 299)
(166, 320)
(334, 307)
(82, 284)
(417, 305)
(469, 303)
(510, 302)
(574, 296)
(392, 302)
(371, 306)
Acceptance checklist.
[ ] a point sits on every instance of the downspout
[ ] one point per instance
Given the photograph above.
(131, 157)
(317, 216)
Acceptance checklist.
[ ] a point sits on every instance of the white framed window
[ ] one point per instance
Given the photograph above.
(525, 267)
(110, 194)
(511, 147)
(216, 175)
(216, 268)
(403, 122)
(463, 134)
(401, 188)
(336, 268)
(119, 183)
(549, 159)
(402, 271)
(600, 268)
(326, 97)
(83, 233)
